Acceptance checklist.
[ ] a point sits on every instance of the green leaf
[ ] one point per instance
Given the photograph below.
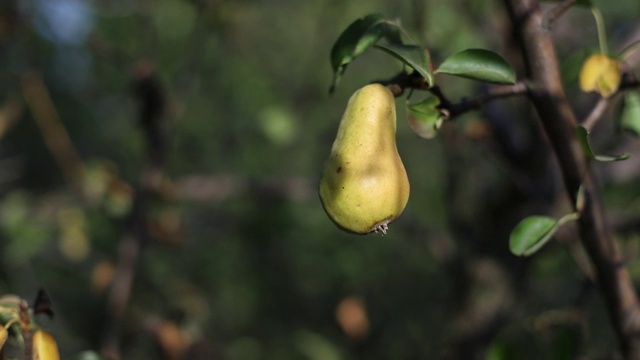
(316, 347)
(414, 56)
(425, 117)
(501, 350)
(611, 158)
(631, 112)
(7, 316)
(353, 42)
(531, 234)
(393, 32)
(88, 355)
(583, 137)
(479, 64)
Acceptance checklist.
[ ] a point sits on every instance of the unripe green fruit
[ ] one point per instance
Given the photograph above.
(364, 185)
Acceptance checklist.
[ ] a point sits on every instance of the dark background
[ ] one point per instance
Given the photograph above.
(196, 130)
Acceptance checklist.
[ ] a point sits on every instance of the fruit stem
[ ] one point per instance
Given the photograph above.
(602, 32)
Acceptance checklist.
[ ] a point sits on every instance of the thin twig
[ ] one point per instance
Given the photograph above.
(401, 81)
(10, 113)
(120, 294)
(596, 113)
(628, 82)
(555, 13)
(27, 335)
(150, 96)
(495, 93)
(53, 131)
(629, 50)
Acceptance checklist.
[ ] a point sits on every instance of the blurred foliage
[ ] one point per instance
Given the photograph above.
(238, 260)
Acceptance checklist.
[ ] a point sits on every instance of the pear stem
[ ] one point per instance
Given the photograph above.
(602, 32)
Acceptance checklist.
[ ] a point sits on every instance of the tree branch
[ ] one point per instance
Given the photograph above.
(628, 82)
(151, 101)
(559, 122)
(414, 80)
(494, 93)
(51, 127)
(555, 13)
(596, 113)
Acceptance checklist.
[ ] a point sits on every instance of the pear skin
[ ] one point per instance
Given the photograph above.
(364, 185)
(44, 346)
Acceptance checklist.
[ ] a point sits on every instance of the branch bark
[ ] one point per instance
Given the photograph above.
(495, 93)
(559, 122)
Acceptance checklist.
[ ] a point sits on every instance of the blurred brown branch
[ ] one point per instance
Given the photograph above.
(559, 122)
(556, 12)
(53, 131)
(10, 113)
(147, 92)
(403, 80)
(217, 188)
(596, 113)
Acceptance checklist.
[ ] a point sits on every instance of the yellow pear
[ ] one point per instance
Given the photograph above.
(364, 185)
(602, 74)
(4, 334)
(44, 346)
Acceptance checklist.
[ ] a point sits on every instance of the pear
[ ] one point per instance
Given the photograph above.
(364, 185)
(44, 346)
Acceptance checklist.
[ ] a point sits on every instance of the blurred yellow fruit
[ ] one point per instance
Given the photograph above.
(44, 346)
(4, 334)
(600, 73)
